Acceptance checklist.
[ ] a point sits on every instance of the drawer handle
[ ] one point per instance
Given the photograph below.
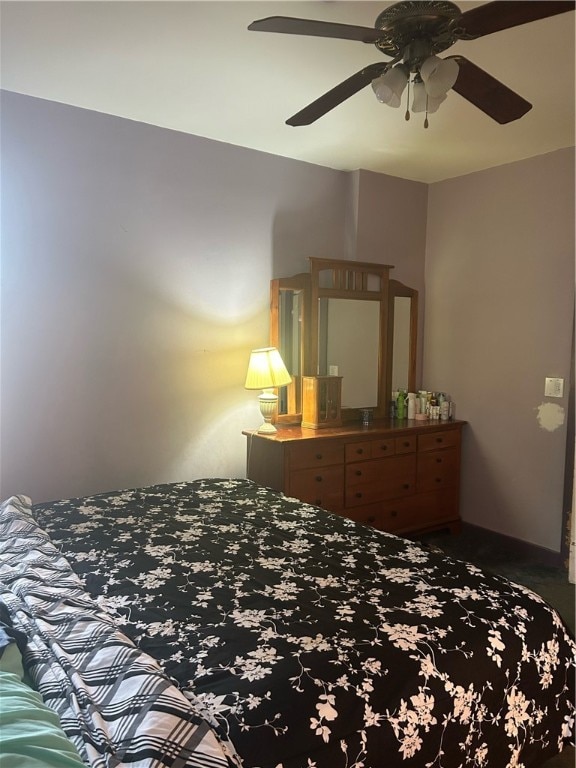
(358, 473)
(318, 478)
(438, 461)
(318, 456)
(358, 495)
(383, 447)
(359, 450)
(406, 444)
(438, 479)
(371, 519)
(439, 439)
(406, 486)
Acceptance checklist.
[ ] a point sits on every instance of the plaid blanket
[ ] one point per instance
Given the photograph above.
(114, 701)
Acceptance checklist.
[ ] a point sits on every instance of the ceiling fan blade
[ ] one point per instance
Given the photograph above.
(292, 26)
(338, 94)
(488, 94)
(504, 14)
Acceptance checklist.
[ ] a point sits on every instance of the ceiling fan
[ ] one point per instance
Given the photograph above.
(413, 33)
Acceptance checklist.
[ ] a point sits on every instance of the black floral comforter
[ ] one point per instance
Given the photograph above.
(312, 642)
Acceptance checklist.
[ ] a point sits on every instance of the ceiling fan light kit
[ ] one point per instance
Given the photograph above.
(430, 85)
(413, 33)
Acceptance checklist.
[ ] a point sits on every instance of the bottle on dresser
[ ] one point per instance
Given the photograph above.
(401, 405)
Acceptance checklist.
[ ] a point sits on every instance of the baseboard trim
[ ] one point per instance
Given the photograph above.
(517, 547)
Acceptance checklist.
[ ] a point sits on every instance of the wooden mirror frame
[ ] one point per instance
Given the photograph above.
(398, 289)
(297, 284)
(348, 280)
(352, 280)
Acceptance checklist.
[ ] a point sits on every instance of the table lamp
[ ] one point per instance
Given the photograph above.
(266, 371)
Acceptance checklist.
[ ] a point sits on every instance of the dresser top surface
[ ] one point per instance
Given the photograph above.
(377, 429)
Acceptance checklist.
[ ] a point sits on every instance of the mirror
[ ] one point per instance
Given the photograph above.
(402, 335)
(348, 344)
(348, 319)
(289, 298)
(353, 297)
(401, 343)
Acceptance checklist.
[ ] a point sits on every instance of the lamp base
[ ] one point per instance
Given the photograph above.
(267, 429)
(268, 401)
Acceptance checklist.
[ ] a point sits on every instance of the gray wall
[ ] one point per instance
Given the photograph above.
(392, 222)
(499, 310)
(136, 268)
(135, 280)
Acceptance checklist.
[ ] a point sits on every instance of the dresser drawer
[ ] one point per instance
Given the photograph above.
(412, 513)
(423, 510)
(358, 451)
(437, 469)
(323, 487)
(370, 449)
(399, 515)
(314, 454)
(449, 438)
(405, 444)
(378, 479)
(381, 448)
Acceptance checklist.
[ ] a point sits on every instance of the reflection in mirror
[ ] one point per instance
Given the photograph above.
(348, 346)
(290, 346)
(402, 337)
(401, 343)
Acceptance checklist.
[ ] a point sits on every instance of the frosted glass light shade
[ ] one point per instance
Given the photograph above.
(438, 75)
(423, 102)
(390, 86)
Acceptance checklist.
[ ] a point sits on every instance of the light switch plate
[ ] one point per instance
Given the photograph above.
(554, 388)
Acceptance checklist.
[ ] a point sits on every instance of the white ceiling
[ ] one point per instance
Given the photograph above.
(194, 67)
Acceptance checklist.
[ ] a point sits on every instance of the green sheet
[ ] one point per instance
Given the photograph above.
(30, 732)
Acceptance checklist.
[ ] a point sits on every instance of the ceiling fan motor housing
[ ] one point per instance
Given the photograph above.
(416, 30)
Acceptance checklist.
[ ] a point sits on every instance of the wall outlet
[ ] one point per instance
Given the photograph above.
(554, 388)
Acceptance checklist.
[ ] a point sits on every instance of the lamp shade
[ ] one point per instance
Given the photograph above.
(438, 75)
(266, 370)
(390, 86)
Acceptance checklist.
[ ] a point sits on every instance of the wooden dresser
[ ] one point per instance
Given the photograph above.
(403, 478)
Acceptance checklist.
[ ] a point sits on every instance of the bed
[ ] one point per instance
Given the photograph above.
(218, 623)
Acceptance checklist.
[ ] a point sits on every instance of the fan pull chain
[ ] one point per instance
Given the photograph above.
(407, 115)
(426, 118)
